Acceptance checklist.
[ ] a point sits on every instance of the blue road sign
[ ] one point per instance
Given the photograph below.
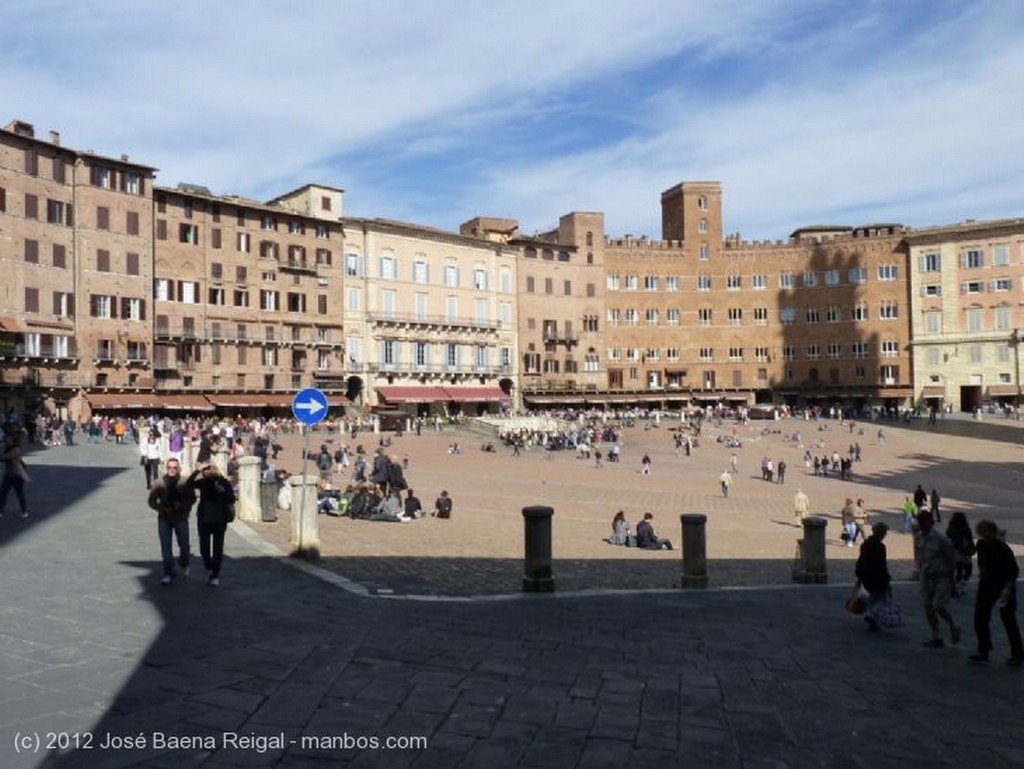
(309, 406)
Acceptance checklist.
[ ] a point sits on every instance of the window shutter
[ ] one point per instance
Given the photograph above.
(124, 307)
(113, 307)
(963, 288)
(71, 305)
(142, 309)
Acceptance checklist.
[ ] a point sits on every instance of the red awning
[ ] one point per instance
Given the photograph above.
(238, 400)
(115, 401)
(475, 394)
(933, 391)
(186, 402)
(412, 394)
(1003, 390)
(10, 324)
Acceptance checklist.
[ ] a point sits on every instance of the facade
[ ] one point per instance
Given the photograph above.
(173, 297)
(76, 254)
(429, 317)
(967, 292)
(246, 296)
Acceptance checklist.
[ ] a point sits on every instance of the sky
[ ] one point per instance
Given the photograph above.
(807, 111)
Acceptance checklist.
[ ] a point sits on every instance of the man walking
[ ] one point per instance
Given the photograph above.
(725, 479)
(172, 498)
(801, 505)
(782, 471)
(936, 559)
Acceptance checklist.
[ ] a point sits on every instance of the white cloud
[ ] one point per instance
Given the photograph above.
(806, 111)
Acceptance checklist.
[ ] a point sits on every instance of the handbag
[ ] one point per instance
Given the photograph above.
(856, 604)
(888, 614)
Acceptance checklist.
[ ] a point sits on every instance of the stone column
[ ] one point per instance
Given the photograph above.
(220, 461)
(165, 452)
(814, 569)
(305, 527)
(188, 457)
(537, 576)
(695, 561)
(248, 506)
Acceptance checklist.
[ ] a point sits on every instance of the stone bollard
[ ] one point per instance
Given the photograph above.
(305, 527)
(814, 570)
(695, 559)
(219, 459)
(189, 449)
(537, 577)
(248, 505)
(164, 441)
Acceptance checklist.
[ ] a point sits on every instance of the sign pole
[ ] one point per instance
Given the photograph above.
(302, 494)
(309, 407)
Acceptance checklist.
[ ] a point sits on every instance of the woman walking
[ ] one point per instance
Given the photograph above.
(216, 510)
(15, 474)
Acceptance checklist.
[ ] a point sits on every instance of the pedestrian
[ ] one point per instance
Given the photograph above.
(443, 506)
(935, 562)
(69, 432)
(645, 465)
(782, 471)
(725, 479)
(997, 586)
(734, 463)
(849, 525)
(959, 533)
(647, 538)
(801, 506)
(933, 505)
(15, 474)
(909, 514)
(860, 520)
(150, 459)
(921, 498)
(597, 459)
(215, 511)
(881, 437)
(872, 572)
(172, 498)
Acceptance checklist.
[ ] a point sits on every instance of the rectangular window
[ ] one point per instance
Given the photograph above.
(215, 238)
(132, 263)
(703, 252)
(613, 283)
(860, 312)
(930, 262)
(831, 277)
(787, 315)
(420, 272)
(933, 322)
(102, 260)
(650, 282)
(480, 280)
(188, 233)
(733, 282)
(131, 223)
(60, 258)
(451, 276)
(888, 310)
(857, 275)
(671, 316)
(31, 207)
(974, 319)
(761, 316)
(161, 229)
(321, 304)
(632, 282)
(353, 265)
(786, 280)
(810, 279)
(705, 316)
(1001, 284)
(735, 316)
(1001, 255)
(243, 242)
(759, 282)
(352, 300)
(888, 272)
(102, 218)
(32, 251)
(934, 289)
(31, 299)
(1003, 316)
(703, 282)
(972, 258)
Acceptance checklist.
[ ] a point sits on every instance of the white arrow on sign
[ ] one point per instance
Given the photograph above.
(313, 407)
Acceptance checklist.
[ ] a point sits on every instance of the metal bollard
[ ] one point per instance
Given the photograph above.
(814, 564)
(537, 576)
(695, 559)
(305, 527)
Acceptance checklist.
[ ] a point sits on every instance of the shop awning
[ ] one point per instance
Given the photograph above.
(412, 394)
(124, 401)
(933, 391)
(553, 399)
(475, 394)
(186, 402)
(1003, 390)
(238, 400)
(10, 325)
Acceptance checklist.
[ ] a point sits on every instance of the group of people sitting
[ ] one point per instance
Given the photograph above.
(646, 537)
(372, 502)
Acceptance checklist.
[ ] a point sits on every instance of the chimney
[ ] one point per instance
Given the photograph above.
(55, 138)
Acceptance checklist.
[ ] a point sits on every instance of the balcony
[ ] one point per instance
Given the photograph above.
(431, 321)
(297, 265)
(45, 353)
(435, 369)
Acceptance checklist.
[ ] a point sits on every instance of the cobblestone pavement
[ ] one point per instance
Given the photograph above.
(751, 535)
(279, 668)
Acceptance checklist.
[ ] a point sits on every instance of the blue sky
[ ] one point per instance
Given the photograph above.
(807, 111)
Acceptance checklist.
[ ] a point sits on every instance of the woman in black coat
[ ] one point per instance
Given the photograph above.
(997, 586)
(215, 511)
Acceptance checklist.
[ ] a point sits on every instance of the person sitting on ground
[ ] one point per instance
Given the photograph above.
(647, 538)
(413, 508)
(443, 506)
(390, 509)
(620, 529)
(454, 449)
(358, 506)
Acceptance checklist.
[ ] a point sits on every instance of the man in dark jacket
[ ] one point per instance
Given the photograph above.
(647, 538)
(216, 510)
(997, 586)
(172, 498)
(872, 571)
